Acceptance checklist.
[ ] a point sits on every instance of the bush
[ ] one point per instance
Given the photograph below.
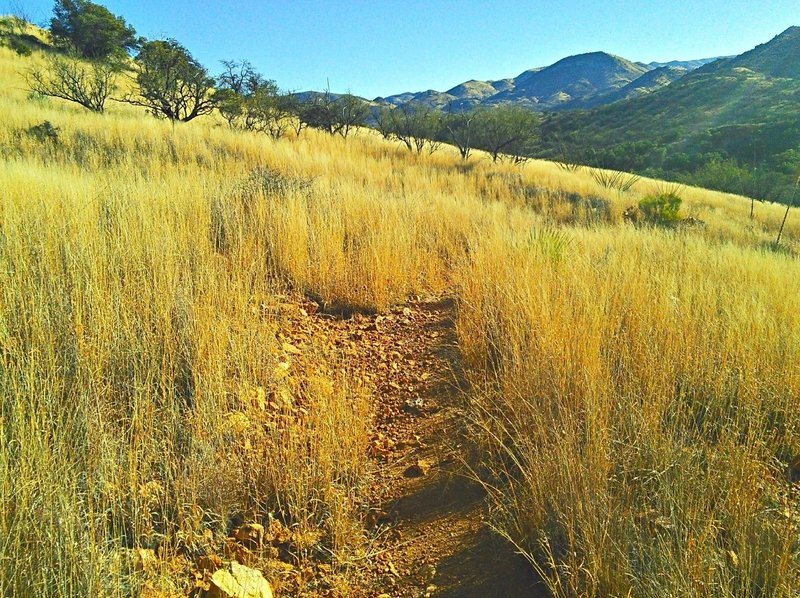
(44, 132)
(662, 208)
(19, 46)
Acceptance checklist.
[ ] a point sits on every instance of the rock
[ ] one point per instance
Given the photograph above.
(414, 406)
(238, 581)
(250, 535)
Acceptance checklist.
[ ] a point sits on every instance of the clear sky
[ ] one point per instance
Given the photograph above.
(383, 47)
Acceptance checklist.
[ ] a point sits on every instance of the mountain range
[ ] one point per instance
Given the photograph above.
(729, 123)
(575, 82)
(732, 124)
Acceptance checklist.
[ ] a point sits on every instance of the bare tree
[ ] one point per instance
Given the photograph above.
(89, 85)
(413, 124)
(249, 101)
(384, 122)
(20, 17)
(789, 206)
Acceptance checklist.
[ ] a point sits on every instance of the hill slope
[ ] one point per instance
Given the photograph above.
(172, 398)
(742, 108)
(647, 83)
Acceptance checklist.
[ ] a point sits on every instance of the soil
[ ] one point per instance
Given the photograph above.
(426, 513)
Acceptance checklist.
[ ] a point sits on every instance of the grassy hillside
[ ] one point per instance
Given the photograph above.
(634, 390)
(740, 110)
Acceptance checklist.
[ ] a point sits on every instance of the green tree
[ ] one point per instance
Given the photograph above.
(506, 129)
(91, 30)
(171, 83)
(316, 111)
(335, 115)
(415, 125)
(349, 112)
(459, 129)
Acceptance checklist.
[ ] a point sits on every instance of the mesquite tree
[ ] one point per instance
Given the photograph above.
(171, 83)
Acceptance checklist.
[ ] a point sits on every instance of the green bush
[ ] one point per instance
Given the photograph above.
(19, 46)
(662, 208)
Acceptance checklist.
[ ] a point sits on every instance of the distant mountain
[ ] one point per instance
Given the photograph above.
(744, 108)
(689, 65)
(574, 78)
(580, 81)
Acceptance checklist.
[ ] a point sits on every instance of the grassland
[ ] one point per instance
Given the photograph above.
(634, 390)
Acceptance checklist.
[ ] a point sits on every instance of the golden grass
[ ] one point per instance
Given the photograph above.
(638, 394)
(638, 386)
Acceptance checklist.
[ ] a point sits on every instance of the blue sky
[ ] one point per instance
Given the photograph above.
(374, 47)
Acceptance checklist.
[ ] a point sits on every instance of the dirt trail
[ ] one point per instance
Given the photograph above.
(428, 516)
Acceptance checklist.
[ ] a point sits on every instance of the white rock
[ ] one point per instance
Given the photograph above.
(238, 581)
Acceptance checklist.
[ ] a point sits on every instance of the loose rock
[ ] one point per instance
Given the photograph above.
(238, 581)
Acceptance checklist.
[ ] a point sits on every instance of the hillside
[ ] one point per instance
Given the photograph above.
(333, 367)
(580, 81)
(641, 86)
(743, 108)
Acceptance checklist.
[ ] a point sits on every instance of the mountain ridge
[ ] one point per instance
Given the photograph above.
(732, 124)
(574, 82)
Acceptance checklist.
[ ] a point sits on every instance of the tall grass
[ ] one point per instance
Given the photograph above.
(636, 388)
(638, 402)
(131, 345)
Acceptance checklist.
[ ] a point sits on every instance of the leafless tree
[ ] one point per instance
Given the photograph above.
(87, 84)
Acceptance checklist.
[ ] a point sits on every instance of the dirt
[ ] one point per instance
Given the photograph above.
(426, 514)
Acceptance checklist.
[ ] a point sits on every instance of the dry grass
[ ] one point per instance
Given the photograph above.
(638, 397)
(639, 386)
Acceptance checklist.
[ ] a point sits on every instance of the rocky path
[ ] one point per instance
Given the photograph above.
(426, 516)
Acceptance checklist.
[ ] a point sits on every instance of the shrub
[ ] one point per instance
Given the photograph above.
(44, 132)
(615, 179)
(662, 208)
(19, 46)
(89, 85)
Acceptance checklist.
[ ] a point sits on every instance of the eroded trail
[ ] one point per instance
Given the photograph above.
(428, 517)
